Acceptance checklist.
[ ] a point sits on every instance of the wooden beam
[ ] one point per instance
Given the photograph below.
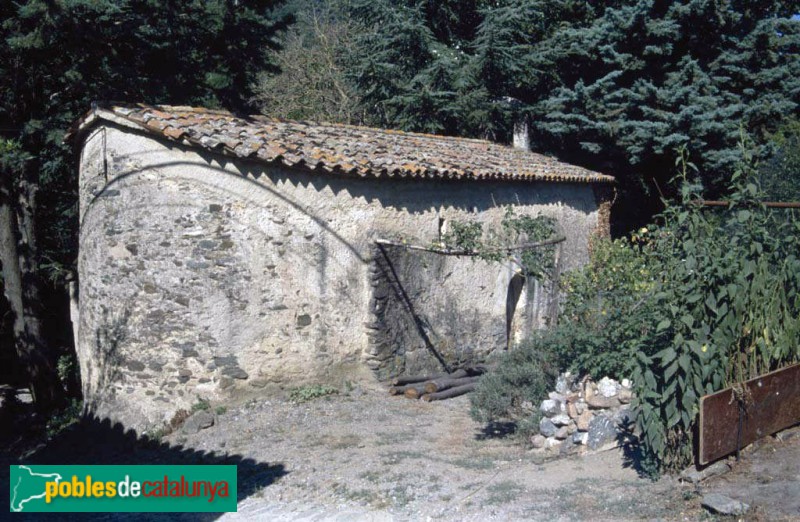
(774, 404)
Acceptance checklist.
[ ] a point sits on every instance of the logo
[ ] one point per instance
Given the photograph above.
(123, 489)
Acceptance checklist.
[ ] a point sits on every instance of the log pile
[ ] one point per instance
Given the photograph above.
(437, 387)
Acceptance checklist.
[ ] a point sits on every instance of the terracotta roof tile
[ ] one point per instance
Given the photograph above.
(345, 149)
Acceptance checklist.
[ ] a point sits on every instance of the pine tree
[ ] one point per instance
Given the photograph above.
(615, 85)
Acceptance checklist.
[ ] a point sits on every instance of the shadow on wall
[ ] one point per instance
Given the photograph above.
(112, 332)
(418, 196)
(109, 190)
(94, 441)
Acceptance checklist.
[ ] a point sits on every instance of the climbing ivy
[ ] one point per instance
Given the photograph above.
(515, 240)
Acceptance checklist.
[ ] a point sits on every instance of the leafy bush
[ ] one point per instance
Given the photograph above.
(310, 392)
(63, 418)
(522, 375)
(702, 300)
(728, 309)
(606, 307)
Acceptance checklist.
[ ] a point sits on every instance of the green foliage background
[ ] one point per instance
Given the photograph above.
(614, 85)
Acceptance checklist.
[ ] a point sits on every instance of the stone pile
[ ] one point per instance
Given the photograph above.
(583, 415)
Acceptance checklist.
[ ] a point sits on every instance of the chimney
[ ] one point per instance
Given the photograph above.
(521, 133)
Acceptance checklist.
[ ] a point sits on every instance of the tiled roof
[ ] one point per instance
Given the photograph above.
(342, 149)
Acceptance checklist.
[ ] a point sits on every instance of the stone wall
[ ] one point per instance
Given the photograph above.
(200, 277)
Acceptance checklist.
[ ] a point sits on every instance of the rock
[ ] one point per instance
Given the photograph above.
(560, 420)
(723, 505)
(572, 427)
(626, 383)
(601, 402)
(552, 443)
(234, 372)
(583, 421)
(625, 396)
(572, 410)
(607, 387)
(693, 475)
(601, 432)
(580, 406)
(564, 383)
(199, 421)
(580, 437)
(624, 417)
(550, 407)
(25, 397)
(538, 441)
(562, 433)
(567, 448)
(547, 428)
(558, 397)
(788, 434)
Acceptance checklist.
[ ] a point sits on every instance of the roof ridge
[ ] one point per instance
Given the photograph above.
(259, 117)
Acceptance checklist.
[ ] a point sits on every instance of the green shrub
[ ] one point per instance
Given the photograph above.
(524, 374)
(607, 305)
(201, 405)
(63, 418)
(310, 392)
(704, 299)
(728, 309)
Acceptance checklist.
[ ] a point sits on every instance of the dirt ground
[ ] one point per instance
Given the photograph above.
(364, 455)
(369, 456)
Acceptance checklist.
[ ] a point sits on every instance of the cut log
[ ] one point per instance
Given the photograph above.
(414, 391)
(414, 379)
(398, 390)
(444, 384)
(452, 392)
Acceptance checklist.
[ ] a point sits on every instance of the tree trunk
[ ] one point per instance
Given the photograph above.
(21, 286)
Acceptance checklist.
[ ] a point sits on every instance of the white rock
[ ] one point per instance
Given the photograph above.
(607, 387)
(538, 441)
(551, 407)
(552, 442)
(564, 383)
(580, 437)
(723, 505)
(561, 419)
(626, 383)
